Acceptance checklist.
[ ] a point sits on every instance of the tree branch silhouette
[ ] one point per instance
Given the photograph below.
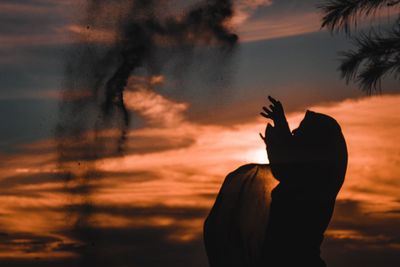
(377, 53)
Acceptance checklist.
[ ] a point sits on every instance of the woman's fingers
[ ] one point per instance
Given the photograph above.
(272, 107)
(273, 111)
(273, 100)
(265, 115)
(266, 110)
(268, 113)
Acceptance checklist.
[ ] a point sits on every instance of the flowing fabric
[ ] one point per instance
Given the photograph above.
(235, 228)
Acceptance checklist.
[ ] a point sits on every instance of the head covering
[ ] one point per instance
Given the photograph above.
(322, 152)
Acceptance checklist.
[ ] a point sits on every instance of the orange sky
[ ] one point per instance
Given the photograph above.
(154, 198)
(188, 174)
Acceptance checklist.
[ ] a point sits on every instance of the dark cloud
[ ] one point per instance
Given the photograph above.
(137, 145)
(39, 178)
(396, 211)
(284, 8)
(28, 242)
(352, 215)
(176, 213)
(347, 253)
(140, 245)
(124, 246)
(13, 185)
(38, 262)
(152, 246)
(364, 239)
(145, 246)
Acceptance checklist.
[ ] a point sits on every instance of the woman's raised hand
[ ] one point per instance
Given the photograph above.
(275, 112)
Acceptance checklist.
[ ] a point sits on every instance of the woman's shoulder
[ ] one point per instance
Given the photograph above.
(249, 168)
(248, 177)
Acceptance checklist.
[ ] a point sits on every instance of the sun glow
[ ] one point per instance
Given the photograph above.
(258, 155)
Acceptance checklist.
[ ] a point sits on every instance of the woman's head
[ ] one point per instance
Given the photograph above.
(322, 145)
(318, 128)
(319, 131)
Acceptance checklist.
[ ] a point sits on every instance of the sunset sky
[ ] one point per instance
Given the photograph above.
(147, 207)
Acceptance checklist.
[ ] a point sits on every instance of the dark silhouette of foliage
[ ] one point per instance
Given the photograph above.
(377, 52)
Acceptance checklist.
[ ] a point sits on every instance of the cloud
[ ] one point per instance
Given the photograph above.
(54, 22)
(155, 198)
(34, 23)
(275, 26)
(170, 154)
(245, 8)
(155, 108)
(357, 238)
(370, 125)
(90, 35)
(27, 245)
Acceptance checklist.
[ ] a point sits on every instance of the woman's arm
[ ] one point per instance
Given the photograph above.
(276, 113)
(278, 140)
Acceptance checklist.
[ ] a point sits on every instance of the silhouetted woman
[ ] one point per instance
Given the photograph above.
(288, 228)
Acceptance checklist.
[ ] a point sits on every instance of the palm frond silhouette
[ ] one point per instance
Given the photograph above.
(377, 52)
